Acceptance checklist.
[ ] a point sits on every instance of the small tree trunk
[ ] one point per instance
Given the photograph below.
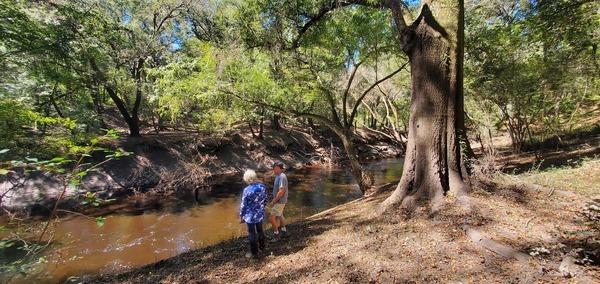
(261, 125)
(132, 123)
(276, 125)
(355, 166)
(251, 129)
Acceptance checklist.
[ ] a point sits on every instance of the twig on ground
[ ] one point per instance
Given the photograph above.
(527, 224)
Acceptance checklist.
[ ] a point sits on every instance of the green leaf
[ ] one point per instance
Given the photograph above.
(100, 221)
(4, 151)
(4, 172)
(6, 244)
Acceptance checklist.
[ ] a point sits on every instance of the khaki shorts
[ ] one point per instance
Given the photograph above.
(277, 209)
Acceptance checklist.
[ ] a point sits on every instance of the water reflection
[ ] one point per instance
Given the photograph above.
(125, 242)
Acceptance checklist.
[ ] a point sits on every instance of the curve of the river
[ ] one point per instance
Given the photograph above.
(125, 242)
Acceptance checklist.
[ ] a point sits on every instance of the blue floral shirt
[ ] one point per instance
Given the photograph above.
(254, 200)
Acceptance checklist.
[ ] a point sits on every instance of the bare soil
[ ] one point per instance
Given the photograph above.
(509, 230)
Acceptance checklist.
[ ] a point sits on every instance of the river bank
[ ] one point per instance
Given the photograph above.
(354, 243)
(185, 164)
(529, 212)
(543, 216)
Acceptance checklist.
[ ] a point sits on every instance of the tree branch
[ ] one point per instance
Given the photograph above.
(397, 7)
(316, 18)
(333, 125)
(345, 96)
(401, 16)
(355, 109)
(170, 15)
(330, 100)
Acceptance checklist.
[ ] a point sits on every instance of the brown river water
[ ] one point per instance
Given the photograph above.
(129, 241)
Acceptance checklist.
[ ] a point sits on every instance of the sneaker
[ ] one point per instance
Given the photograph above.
(284, 234)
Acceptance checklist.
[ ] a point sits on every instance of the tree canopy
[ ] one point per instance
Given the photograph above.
(529, 66)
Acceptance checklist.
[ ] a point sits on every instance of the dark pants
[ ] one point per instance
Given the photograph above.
(256, 236)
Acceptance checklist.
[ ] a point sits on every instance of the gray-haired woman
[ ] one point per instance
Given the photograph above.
(254, 200)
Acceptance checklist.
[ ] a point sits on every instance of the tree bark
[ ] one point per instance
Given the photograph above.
(355, 166)
(275, 125)
(132, 123)
(131, 119)
(251, 129)
(434, 163)
(261, 124)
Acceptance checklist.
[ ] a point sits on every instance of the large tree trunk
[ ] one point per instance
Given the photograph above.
(433, 164)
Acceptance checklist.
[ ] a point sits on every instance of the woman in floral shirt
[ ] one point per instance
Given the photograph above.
(254, 200)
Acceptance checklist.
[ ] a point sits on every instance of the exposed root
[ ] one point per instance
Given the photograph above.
(493, 246)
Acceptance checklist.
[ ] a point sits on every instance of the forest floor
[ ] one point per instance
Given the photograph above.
(526, 223)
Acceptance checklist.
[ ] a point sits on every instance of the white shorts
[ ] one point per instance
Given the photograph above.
(277, 209)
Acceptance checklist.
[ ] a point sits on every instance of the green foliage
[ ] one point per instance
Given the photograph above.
(186, 85)
(79, 56)
(13, 118)
(71, 173)
(532, 67)
(313, 65)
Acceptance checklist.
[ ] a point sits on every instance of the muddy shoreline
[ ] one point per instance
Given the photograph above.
(185, 165)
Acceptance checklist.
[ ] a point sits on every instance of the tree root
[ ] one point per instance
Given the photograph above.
(493, 246)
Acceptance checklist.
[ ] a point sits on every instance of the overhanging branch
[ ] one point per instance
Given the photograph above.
(355, 109)
(316, 18)
(336, 127)
(398, 5)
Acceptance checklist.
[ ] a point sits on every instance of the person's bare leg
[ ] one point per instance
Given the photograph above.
(282, 222)
(273, 220)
